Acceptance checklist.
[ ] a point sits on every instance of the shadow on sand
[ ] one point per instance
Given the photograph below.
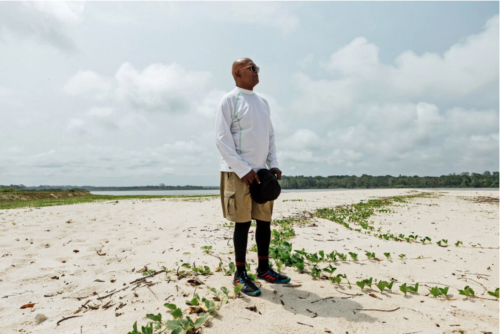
(298, 301)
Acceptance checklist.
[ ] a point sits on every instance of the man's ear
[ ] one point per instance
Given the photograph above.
(237, 73)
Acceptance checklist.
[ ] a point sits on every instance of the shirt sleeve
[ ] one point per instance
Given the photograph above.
(224, 139)
(272, 159)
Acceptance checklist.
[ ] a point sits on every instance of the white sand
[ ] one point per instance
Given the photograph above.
(156, 233)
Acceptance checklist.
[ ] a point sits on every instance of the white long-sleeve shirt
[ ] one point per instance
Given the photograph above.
(244, 134)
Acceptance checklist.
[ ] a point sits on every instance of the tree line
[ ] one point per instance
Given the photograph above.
(462, 180)
(21, 187)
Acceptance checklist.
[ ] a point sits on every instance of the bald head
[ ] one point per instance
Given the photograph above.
(244, 76)
(239, 63)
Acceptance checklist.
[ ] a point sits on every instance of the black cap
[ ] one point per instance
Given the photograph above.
(269, 188)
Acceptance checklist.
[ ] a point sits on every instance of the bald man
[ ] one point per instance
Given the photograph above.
(245, 139)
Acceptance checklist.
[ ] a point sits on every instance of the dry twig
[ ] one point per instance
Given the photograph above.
(63, 319)
(375, 309)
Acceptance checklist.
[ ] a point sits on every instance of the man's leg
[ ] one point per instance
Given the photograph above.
(263, 238)
(240, 240)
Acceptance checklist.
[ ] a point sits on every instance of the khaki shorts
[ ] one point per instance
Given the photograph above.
(237, 204)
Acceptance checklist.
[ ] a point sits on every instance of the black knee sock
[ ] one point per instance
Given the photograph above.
(240, 240)
(263, 238)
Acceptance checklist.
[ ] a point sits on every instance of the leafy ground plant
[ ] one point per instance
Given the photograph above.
(354, 256)
(436, 291)
(338, 279)
(442, 242)
(387, 255)
(201, 270)
(365, 282)
(423, 240)
(227, 271)
(315, 272)
(494, 293)
(468, 292)
(381, 285)
(207, 249)
(406, 288)
(370, 255)
(330, 269)
(403, 288)
(204, 307)
(342, 256)
(414, 288)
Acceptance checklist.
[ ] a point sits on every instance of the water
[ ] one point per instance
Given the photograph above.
(158, 192)
(217, 192)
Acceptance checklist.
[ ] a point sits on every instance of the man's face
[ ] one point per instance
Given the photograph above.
(249, 76)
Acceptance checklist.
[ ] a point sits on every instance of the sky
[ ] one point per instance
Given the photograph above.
(125, 93)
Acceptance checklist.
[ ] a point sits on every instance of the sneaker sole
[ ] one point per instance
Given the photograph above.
(253, 294)
(275, 282)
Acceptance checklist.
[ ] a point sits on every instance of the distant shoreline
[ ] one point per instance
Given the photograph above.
(216, 191)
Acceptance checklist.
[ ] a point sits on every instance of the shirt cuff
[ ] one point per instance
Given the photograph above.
(242, 171)
(274, 164)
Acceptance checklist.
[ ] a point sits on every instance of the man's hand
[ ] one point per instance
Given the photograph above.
(250, 177)
(276, 172)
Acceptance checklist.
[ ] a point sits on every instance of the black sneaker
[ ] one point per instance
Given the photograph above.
(249, 288)
(272, 277)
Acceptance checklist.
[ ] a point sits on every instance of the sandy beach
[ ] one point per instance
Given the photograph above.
(63, 257)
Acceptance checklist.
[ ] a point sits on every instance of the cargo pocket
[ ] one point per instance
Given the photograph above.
(229, 202)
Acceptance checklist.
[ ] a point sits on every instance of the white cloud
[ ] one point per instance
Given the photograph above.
(267, 14)
(88, 82)
(306, 61)
(406, 116)
(76, 125)
(100, 111)
(63, 11)
(159, 87)
(183, 147)
(463, 70)
(358, 57)
(47, 22)
(303, 139)
(388, 138)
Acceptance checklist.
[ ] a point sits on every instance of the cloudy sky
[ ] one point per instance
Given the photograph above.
(125, 93)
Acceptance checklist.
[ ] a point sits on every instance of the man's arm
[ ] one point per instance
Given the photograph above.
(272, 159)
(224, 140)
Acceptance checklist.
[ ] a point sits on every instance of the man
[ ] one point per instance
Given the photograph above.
(245, 139)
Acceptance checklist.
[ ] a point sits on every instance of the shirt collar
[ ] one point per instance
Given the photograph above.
(245, 91)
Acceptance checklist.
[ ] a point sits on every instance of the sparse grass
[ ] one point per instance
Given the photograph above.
(16, 200)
